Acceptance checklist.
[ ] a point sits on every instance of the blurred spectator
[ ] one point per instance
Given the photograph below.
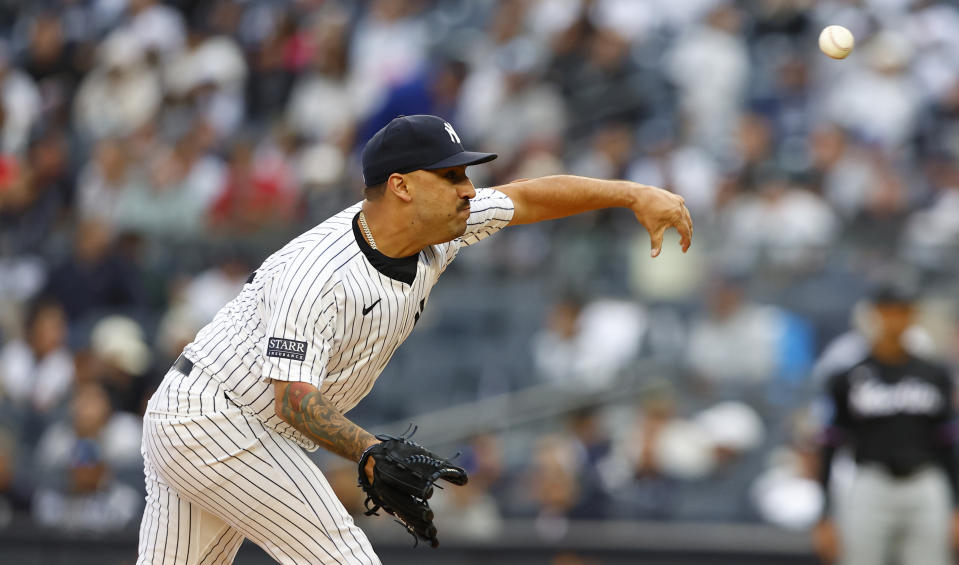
(687, 170)
(20, 105)
(94, 501)
(320, 172)
(486, 458)
(506, 105)
(789, 104)
(36, 197)
(931, 235)
(885, 209)
(755, 144)
(321, 105)
(609, 154)
(51, 169)
(553, 485)
(123, 362)
(433, 90)
(194, 302)
(841, 171)
(656, 449)
(731, 326)
(121, 93)
(15, 492)
(592, 443)
(102, 181)
(37, 370)
(213, 288)
(162, 203)
(879, 102)
(159, 29)
(95, 278)
(587, 430)
(472, 512)
(208, 77)
(51, 59)
(939, 121)
(587, 346)
(273, 66)
(733, 427)
(787, 492)
(783, 225)
(204, 171)
(932, 28)
(710, 67)
(116, 435)
(258, 192)
(468, 513)
(387, 46)
(621, 99)
(734, 433)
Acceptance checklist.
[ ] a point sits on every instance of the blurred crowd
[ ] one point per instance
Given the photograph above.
(153, 153)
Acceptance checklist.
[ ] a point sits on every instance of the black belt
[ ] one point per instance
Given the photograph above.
(183, 365)
(899, 471)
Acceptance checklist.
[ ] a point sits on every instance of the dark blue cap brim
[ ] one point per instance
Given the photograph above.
(462, 158)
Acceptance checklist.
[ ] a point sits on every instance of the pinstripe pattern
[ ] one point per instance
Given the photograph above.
(220, 465)
(314, 290)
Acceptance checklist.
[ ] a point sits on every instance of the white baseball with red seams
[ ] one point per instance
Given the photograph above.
(836, 41)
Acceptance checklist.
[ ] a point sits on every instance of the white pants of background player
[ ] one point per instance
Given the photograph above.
(215, 476)
(903, 521)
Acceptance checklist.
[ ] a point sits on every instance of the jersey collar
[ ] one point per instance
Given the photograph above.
(402, 269)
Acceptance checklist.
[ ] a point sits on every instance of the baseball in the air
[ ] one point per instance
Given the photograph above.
(836, 41)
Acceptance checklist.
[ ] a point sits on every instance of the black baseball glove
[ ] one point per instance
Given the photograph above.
(403, 479)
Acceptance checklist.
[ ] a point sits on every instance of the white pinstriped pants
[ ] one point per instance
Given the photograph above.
(215, 475)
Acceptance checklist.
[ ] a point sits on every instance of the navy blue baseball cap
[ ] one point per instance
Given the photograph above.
(411, 143)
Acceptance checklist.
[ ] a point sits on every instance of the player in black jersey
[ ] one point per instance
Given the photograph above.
(894, 412)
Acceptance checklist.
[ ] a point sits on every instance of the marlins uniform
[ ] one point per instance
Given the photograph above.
(326, 309)
(897, 422)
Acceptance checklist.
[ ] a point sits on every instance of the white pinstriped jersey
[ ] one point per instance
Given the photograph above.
(327, 310)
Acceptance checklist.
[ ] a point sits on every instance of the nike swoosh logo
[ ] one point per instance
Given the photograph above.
(366, 309)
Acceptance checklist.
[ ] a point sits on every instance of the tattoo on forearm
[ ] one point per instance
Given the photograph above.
(313, 415)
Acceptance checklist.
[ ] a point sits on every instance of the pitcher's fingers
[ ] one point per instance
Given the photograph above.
(656, 241)
(685, 228)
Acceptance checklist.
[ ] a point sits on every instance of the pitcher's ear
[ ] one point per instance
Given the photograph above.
(397, 184)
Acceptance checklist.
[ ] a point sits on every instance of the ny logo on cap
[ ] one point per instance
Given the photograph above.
(449, 129)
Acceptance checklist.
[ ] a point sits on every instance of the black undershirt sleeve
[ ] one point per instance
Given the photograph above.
(826, 454)
(833, 434)
(946, 454)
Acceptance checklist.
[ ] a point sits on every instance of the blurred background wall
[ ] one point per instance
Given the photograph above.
(153, 153)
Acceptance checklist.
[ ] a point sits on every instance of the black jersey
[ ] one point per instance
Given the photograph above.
(896, 416)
